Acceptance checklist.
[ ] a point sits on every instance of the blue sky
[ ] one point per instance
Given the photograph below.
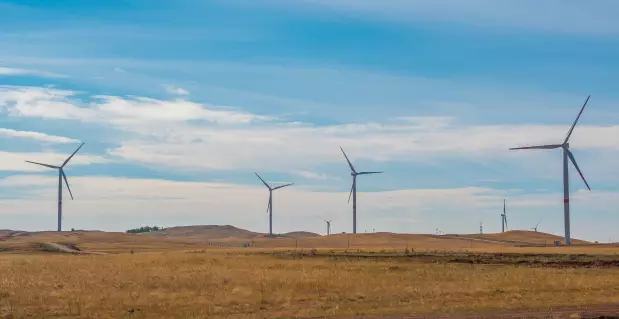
(179, 103)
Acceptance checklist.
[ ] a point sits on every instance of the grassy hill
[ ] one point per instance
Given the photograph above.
(204, 237)
(525, 236)
(220, 232)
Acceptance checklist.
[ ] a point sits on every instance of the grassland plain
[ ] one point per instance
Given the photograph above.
(216, 283)
(171, 278)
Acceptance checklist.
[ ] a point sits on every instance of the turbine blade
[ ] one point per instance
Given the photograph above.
(349, 195)
(569, 154)
(539, 147)
(278, 187)
(68, 159)
(46, 165)
(349, 163)
(368, 173)
(66, 183)
(263, 182)
(569, 133)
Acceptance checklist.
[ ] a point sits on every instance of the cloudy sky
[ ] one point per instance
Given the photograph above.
(179, 103)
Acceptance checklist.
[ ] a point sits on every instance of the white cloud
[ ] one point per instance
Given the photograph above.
(9, 133)
(176, 90)
(62, 104)
(119, 70)
(288, 148)
(6, 71)
(551, 15)
(313, 175)
(233, 139)
(16, 161)
(125, 202)
(220, 201)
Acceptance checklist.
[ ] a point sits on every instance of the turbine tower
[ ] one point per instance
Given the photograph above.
(328, 226)
(61, 176)
(566, 154)
(270, 205)
(504, 219)
(353, 190)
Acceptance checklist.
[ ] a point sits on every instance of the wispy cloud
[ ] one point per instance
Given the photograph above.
(242, 140)
(220, 200)
(62, 104)
(175, 90)
(14, 161)
(9, 133)
(6, 71)
(552, 15)
(314, 175)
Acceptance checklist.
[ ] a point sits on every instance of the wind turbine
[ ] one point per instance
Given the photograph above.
(535, 228)
(61, 176)
(270, 205)
(566, 154)
(353, 190)
(328, 226)
(504, 219)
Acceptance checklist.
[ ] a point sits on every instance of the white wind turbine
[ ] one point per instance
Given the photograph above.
(567, 154)
(61, 176)
(353, 190)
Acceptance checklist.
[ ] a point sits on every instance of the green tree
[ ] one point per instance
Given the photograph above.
(144, 229)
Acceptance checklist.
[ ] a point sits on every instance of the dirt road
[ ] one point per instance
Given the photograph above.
(67, 249)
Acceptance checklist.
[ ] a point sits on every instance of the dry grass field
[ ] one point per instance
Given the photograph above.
(168, 277)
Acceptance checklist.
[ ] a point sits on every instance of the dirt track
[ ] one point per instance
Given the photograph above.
(67, 249)
(600, 311)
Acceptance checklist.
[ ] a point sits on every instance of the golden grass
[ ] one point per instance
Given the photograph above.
(220, 284)
(97, 241)
(123, 243)
(526, 236)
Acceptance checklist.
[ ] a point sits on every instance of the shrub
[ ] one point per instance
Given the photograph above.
(144, 229)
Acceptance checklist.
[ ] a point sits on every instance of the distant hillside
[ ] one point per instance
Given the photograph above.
(299, 234)
(526, 236)
(219, 232)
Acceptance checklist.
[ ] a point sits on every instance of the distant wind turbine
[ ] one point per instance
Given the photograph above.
(328, 226)
(504, 219)
(61, 176)
(353, 190)
(270, 205)
(566, 154)
(535, 228)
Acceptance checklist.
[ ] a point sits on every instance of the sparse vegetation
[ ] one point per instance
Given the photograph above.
(182, 277)
(144, 229)
(224, 284)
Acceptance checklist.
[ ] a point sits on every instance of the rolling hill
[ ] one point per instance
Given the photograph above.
(214, 232)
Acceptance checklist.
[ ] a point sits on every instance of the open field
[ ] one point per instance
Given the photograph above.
(509, 242)
(219, 284)
(334, 276)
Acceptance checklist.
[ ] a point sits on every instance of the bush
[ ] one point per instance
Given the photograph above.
(145, 229)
